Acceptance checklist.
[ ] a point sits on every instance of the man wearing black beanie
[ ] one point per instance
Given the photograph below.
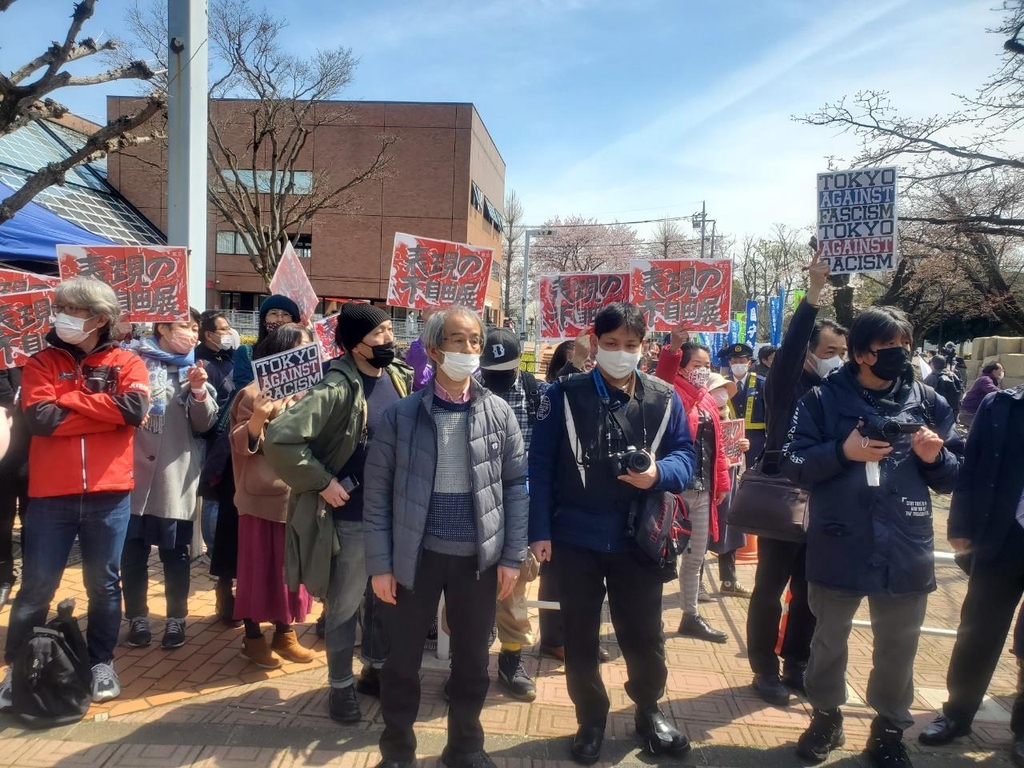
(318, 446)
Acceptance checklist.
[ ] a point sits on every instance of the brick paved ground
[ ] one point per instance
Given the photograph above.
(202, 705)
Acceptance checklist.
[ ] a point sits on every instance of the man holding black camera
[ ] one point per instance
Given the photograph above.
(603, 438)
(870, 442)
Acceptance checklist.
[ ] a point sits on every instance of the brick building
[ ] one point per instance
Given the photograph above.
(447, 180)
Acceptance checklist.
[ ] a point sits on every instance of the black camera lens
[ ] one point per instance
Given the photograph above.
(891, 429)
(638, 462)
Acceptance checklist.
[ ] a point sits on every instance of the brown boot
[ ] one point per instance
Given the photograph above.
(226, 603)
(256, 650)
(288, 648)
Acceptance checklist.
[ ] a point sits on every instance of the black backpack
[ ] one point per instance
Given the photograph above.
(51, 681)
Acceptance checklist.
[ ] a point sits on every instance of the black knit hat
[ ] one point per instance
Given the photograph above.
(357, 320)
(277, 301)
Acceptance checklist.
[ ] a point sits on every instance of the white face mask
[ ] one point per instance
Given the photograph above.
(618, 363)
(699, 377)
(459, 366)
(70, 329)
(721, 396)
(227, 341)
(826, 366)
(739, 370)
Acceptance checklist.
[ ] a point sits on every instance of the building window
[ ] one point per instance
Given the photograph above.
(294, 183)
(303, 245)
(476, 198)
(233, 243)
(492, 215)
(496, 271)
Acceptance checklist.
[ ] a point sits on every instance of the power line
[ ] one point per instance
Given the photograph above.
(609, 224)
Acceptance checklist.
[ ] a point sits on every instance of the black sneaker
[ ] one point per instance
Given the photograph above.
(771, 689)
(174, 634)
(431, 642)
(368, 682)
(793, 677)
(885, 745)
(139, 635)
(824, 734)
(342, 705)
(478, 759)
(512, 676)
(321, 626)
(659, 736)
(695, 625)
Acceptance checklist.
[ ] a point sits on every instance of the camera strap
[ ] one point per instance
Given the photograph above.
(624, 426)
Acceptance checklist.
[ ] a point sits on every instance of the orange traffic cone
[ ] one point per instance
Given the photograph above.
(748, 552)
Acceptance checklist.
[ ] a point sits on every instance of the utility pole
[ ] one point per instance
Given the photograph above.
(703, 225)
(187, 96)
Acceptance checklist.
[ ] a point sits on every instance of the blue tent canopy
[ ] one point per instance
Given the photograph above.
(35, 231)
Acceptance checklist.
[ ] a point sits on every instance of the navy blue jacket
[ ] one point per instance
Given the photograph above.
(972, 512)
(598, 529)
(868, 540)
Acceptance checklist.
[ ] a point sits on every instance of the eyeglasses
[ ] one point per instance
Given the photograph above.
(66, 309)
(474, 342)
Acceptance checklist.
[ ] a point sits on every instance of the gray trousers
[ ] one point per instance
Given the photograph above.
(699, 503)
(896, 627)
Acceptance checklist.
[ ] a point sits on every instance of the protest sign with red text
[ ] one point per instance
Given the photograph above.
(732, 433)
(151, 281)
(436, 273)
(569, 301)
(16, 281)
(290, 280)
(326, 334)
(672, 291)
(24, 323)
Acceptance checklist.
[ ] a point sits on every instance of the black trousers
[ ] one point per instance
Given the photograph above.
(135, 579)
(634, 588)
(779, 563)
(551, 634)
(13, 498)
(993, 592)
(469, 598)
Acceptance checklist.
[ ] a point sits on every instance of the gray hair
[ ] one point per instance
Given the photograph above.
(87, 293)
(433, 332)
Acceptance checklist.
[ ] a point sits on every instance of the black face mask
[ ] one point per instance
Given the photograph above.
(499, 381)
(383, 355)
(890, 363)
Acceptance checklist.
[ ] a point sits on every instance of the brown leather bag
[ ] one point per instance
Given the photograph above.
(769, 505)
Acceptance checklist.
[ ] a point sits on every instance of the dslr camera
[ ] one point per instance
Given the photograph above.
(629, 458)
(885, 429)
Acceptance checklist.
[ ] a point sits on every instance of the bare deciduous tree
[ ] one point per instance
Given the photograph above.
(511, 239)
(578, 244)
(24, 101)
(669, 241)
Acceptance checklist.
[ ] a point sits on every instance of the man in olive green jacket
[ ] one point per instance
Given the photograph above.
(318, 447)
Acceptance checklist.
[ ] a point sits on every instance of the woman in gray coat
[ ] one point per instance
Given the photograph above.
(183, 405)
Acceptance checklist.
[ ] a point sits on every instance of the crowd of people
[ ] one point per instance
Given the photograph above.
(455, 473)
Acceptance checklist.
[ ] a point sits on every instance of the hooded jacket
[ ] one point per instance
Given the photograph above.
(82, 410)
(863, 539)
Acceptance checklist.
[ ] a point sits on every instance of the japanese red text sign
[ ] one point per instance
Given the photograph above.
(671, 291)
(24, 323)
(569, 301)
(436, 273)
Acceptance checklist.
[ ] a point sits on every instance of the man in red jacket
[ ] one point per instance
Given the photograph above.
(83, 398)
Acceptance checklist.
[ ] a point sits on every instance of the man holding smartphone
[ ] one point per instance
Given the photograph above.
(318, 446)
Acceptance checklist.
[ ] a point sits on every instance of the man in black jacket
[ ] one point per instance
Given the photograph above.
(809, 351)
(945, 382)
(985, 525)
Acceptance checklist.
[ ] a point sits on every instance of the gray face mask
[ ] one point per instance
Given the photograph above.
(824, 367)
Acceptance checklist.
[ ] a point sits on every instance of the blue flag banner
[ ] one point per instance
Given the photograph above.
(775, 304)
(752, 324)
(734, 333)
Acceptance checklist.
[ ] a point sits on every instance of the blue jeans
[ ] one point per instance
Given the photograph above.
(209, 523)
(100, 521)
(344, 594)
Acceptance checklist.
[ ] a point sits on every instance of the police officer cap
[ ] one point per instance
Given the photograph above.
(736, 350)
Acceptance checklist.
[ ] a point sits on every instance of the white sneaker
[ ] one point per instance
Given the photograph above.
(6, 691)
(105, 684)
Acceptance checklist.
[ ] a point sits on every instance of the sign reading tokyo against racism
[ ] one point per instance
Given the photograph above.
(24, 323)
(290, 280)
(15, 281)
(569, 301)
(290, 372)
(857, 220)
(326, 335)
(151, 281)
(671, 291)
(429, 273)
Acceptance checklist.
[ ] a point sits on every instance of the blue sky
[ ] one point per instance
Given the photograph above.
(629, 109)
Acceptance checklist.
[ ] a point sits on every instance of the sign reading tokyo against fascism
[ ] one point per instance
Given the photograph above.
(15, 281)
(857, 220)
(436, 273)
(151, 281)
(290, 280)
(24, 323)
(289, 372)
(569, 301)
(671, 291)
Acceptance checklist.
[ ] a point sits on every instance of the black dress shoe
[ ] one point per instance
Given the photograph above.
(603, 656)
(942, 730)
(368, 682)
(385, 763)
(695, 625)
(5, 593)
(771, 689)
(659, 736)
(586, 744)
(342, 705)
(478, 759)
